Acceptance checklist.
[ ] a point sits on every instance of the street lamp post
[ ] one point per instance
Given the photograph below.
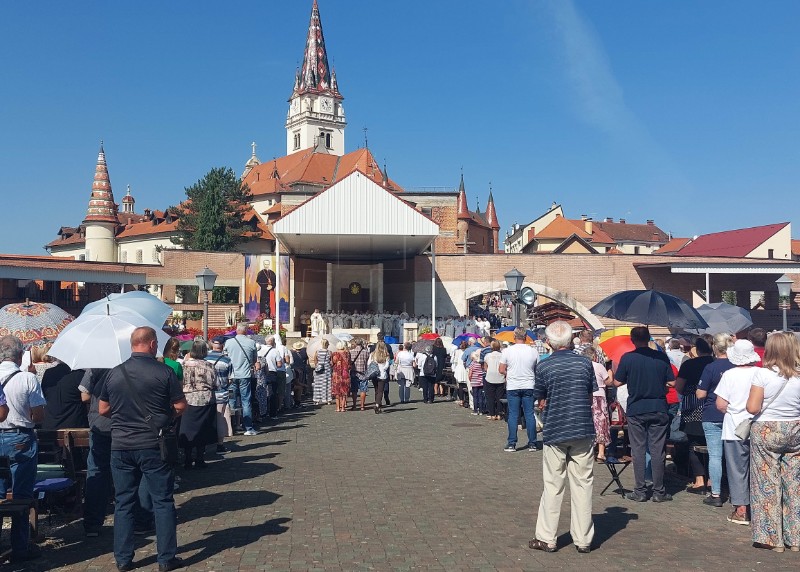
(784, 294)
(514, 279)
(205, 282)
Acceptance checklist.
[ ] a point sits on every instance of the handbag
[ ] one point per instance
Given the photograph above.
(742, 430)
(166, 437)
(320, 368)
(372, 372)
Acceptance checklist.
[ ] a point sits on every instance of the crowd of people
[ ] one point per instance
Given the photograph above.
(391, 324)
(687, 395)
(738, 398)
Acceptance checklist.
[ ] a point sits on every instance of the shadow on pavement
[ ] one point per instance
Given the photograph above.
(237, 537)
(610, 522)
(214, 504)
(226, 472)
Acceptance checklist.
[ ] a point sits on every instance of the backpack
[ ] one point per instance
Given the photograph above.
(429, 367)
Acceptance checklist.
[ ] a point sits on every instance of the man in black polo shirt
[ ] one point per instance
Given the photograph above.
(135, 453)
(646, 372)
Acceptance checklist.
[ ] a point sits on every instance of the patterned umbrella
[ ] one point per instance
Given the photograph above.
(33, 322)
(422, 346)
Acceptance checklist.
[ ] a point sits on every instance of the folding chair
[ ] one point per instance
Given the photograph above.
(612, 468)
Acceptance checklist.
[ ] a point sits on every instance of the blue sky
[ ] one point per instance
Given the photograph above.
(683, 112)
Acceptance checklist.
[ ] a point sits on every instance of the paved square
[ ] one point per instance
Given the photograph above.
(419, 487)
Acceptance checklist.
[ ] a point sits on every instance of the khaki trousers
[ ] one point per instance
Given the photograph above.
(573, 459)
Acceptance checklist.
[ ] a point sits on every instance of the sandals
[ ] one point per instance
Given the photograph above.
(601, 460)
(696, 490)
(537, 544)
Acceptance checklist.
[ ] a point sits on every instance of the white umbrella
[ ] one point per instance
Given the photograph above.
(101, 340)
(315, 344)
(142, 303)
(342, 335)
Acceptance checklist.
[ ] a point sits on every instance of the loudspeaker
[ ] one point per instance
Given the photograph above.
(527, 296)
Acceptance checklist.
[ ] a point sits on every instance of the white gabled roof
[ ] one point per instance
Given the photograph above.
(355, 219)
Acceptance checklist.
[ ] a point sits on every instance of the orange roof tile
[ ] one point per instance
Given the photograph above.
(312, 168)
(674, 245)
(562, 228)
(796, 247)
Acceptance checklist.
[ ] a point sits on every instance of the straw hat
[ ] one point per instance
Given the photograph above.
(298, 345)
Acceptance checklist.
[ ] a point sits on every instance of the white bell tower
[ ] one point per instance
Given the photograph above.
(316, 115)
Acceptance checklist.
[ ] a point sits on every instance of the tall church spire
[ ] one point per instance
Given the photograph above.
(315, 106)
(315, 75)
(461, 202)
(491, 214)
(101, 202)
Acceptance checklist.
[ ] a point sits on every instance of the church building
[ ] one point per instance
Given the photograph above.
(337, 215)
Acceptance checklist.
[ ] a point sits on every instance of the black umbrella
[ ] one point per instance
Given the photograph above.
(650, 307)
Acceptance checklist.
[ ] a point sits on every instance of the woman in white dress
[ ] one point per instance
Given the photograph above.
(405, 372)
(460, 373)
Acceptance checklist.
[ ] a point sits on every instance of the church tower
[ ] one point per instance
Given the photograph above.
(316, 115)
(101, 216)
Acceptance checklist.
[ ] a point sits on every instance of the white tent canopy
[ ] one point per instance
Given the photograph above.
(355, 219)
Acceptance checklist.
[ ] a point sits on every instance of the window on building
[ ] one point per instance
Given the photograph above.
(297, 140)
(636, 250)
(771, 253)
(139, 256)
(491, 243)
(328, 140)
(155, 255)
(427, 211)
(124, 256)
(82, 257)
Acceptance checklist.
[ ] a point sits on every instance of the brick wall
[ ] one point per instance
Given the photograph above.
(180, 267)
(586, 279)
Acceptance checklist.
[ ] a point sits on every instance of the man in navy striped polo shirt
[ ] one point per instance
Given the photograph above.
(564, 385)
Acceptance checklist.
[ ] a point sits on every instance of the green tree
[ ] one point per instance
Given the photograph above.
(212, 218)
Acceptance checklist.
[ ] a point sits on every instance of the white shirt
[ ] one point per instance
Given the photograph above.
(520, 359)
(734, 387)
(493, 375)
(787, 405)
(601, 375)
(404, 359)
(23, 392)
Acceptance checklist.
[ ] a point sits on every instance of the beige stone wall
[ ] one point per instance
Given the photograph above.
(585, 279)
(780, 243)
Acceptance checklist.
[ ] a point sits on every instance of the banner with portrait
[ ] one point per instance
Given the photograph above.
(262, 292)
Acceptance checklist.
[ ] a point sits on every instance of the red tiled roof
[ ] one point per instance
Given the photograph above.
(625, 232)
(673, 246)
(796, 247)
(312, 168)
(730, 243)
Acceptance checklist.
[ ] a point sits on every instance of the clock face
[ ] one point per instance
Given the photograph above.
(327, 105)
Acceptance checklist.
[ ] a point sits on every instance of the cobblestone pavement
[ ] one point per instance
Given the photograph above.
(419, 487)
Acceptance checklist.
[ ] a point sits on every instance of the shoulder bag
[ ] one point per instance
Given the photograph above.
(166, 437)
(320, 364)
(742, 430)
